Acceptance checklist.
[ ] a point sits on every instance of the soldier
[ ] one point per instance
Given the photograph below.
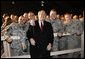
(36, 17)
(16, 18)
(75, 17)
(12, 16)
(57, 28)
(63, 41)
(6, 19)
(26, 20)
(17, 29)
(81, 19)
(47, 17)
(3, 17)
(58, 16)
(31, 17)
(25, 16)
(73, 40)
(62, 19)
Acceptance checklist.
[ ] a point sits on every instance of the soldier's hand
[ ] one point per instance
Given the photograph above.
(24, 47)
(59, 34)
(2, 33)
(78, 33)
(49, 47)
(32, 41)
(9, 40)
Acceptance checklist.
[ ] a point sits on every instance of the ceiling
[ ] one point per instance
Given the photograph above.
(19, 7)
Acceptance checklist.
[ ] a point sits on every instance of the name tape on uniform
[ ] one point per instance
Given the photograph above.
(64, 34)
(13, 37)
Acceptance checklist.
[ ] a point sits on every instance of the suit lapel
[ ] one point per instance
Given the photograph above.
(37, 24)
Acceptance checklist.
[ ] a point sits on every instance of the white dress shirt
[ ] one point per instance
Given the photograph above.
(40, 23)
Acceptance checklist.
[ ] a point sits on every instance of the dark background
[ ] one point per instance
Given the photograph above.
(19, 7)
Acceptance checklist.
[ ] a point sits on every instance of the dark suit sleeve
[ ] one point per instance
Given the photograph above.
(51, 36)
(30, 32)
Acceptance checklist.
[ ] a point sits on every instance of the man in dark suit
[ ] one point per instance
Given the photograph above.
(40, 37)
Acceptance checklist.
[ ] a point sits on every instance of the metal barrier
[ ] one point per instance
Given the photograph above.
(7, 50)
(52, 53)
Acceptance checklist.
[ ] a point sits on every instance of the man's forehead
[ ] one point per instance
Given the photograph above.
(25, 14)
(52, 12)
(67, 15)
(31, 14)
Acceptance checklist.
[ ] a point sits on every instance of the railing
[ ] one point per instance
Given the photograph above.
(52, 53)
(7, 51)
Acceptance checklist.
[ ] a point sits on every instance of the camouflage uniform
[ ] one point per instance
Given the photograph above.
(73, 41)
(57, 28)
(82, 22)
(3, 26)
(63, 43)
(27, 42)
(16, 45)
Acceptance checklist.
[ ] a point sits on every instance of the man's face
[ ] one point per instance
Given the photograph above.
(36, 17)
(25, 16)
(80, 16)
(58, 16)
(31, 16)
(21, 20)
(6, 17)
(75, 17)
(41, 16)
(67, 17)
(62, 18)
(47, 17)
(12, 17)
(81, 19)
(16, 17)
(53, 15)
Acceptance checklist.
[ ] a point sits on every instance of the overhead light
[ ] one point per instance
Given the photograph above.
(13, 2)
(42, 3)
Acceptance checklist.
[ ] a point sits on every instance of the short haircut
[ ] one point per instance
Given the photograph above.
(41, 12)
(4, 15)
(31, 12)
(25, 13)
(67, 14)
(20, 17)
(53, 10)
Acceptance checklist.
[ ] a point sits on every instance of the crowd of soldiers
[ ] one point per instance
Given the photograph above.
(66, 23)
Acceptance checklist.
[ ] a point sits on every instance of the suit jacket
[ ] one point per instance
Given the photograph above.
(42, 39)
